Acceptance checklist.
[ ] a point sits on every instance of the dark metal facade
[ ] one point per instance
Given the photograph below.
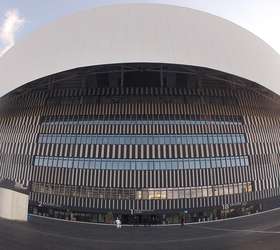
(141, 136)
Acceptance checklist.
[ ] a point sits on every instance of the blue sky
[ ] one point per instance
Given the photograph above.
(259, 16)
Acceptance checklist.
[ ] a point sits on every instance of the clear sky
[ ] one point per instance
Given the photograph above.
(20, 17)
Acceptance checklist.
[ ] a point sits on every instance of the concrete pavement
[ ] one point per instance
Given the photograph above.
(261, 231)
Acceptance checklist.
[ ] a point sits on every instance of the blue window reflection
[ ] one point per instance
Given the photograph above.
(141, 164)
(142, 139)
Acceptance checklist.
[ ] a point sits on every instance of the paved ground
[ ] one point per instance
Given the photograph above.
(260, 231)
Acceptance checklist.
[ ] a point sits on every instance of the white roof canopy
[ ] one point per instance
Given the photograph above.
(140, 33)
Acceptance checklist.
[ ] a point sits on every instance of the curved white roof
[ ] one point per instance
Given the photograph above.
(140, 33)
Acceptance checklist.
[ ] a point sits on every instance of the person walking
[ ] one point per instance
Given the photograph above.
(182, 221)
(118, 223)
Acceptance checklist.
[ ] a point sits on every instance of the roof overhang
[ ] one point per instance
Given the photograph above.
(140, 33)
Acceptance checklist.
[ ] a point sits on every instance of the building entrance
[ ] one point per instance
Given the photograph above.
(134, 217)
(142, 219)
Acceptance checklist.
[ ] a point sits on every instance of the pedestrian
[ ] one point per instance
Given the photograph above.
(182, 221)
(118, 223)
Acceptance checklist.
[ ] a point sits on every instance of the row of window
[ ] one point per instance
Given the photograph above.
(142, 120)
(194, 99)
(142, 139)
(142, 164)
(143, 194)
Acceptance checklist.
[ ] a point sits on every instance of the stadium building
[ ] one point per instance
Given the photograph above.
(151, 113)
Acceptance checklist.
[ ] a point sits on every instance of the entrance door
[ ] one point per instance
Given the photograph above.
(142, 219)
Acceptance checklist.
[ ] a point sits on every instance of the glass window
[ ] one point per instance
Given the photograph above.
(209, 139)
(63, 139)
(215, 190)
(67, 139)
(75, 163)
(83, 139)
(249, 187)
(44, 161)
(136, 139)
(70, 162)
(54, 161)
(187, 193)
(223, 161)
(199, 139)
(144, 164)
(87, 163)
(163, 194)
(95, 164)
(81, 163)
(230, 189)
(175, 194)
(199, 192)
(180, 164)
(204, 191)
(233, 162)
(246, 161)
(60, 162)
(191, 164)
(203, 163)
(138, 195)
(181, 193)
(36, 161)
(220, 139)
(89, 139)
(228, 162)
(40, 139)
(240, 188)
(210, 191)
(197, 163)
(72, 139)
(207, 163)
(226, 190)
(242, 161)
(48, 138)
(56, 139)
(157, 164)
(230, 138)
(193, 192)
(215, 139)
(220, 190)
(145, 194)
(194, 140)
(154, 194)
(169, 194)
(65, 163)
(237, 162)
(41, 161)
(186, 164)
